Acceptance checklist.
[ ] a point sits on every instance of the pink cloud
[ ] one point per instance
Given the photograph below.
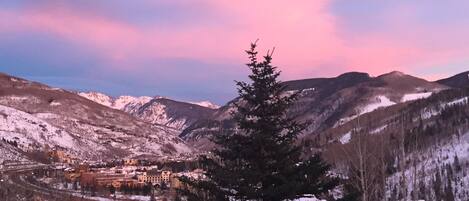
(307, 36)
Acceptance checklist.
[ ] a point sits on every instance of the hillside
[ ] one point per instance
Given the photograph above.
(328, 102)
(460, 80)
(406, 146)
(36, 115)
(176, 115)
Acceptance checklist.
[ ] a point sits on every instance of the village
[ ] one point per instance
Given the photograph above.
(119, 178)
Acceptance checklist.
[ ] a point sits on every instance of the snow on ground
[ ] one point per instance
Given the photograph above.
(379, 129)
(127, 103)
(81, 139)
(308, 198)
(16, 125)
(8, 153)
(457, 101)
(346, 138)
(380, 101)
(415, 96)
(437, 157)
(100, 98)
(434, 111)
(207, 104)
(55, 103)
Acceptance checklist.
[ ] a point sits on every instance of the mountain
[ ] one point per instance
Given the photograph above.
(413, 142)
(410, 131)
(328, 102)
(157, 110)
(171, 113)
(124, 103)
(460, 80)
(36, 116)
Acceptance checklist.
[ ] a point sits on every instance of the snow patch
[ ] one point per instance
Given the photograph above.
(457, 101)
(378, 130)
(55, 103)
(380, 101)
(346, 138)
(207, 104)
(415, 96)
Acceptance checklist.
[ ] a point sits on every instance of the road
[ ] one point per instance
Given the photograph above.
(15, 179)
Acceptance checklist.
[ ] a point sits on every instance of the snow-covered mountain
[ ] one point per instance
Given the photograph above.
(35, 115)
(171, 113)
(124, 103)
(329, 102)
(157, 110)
(421, 147)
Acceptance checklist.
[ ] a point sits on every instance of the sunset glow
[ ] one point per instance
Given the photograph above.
(194, 49)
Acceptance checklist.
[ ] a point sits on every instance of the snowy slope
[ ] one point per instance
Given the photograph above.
(124, 103)
(82, 139)
(129, 103)
(36, 115)
(157, 110)
(10, 154)
(415, 96)
(30, 131)
(436, 141)
(174, 114)
(438, 159)
(330, 102)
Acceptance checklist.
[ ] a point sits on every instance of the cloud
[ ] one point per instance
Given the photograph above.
(162, 43)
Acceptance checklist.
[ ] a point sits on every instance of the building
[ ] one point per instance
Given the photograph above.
(71, 175)
(126, 182)
(131, 162)
(84, 167)
(102, 179)
(155, 176)
(61, 156)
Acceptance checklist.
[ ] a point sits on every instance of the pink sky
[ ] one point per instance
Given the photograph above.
(312, 38)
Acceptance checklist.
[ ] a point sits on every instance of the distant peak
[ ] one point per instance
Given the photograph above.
(396, 73)
(393, 74)
(354, 74)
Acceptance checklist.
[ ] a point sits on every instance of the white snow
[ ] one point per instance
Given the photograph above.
(415, 96)
(346, 138)
(308, 198)
(55, 103)
(434, 111)
(206, 104)
(127, 102)
(27, 129)
(437, 156)
(97, 97)
(379, 102)
(379, 129)
(457, 101)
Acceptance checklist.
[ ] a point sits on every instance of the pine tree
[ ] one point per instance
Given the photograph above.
(449, 195)
(437, 184)
(457, 165)
(260, 160)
